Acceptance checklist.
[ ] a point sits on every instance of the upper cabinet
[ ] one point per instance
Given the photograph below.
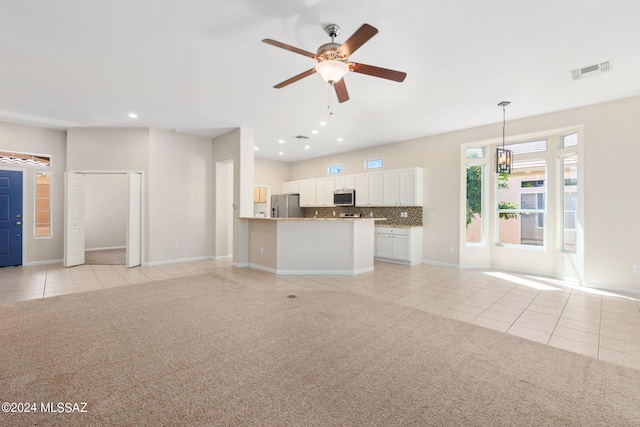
(398, 187)
(403, 187)
(259, 194)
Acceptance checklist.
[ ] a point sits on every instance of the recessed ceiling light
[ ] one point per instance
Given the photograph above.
(281, 141)
(315, 132)
(340, 139)
(175, 130)
(281, 153)
(323, 123)
(306, 147)
(256, 148)
(132, 115)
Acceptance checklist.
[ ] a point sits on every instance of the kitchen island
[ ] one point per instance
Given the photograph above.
(312, 245)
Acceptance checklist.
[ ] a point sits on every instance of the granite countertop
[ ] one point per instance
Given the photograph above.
(397, 226)
(315, 219)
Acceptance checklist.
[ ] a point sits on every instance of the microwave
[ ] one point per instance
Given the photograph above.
(344, 197)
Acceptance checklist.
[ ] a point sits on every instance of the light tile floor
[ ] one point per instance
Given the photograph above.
(598, 324)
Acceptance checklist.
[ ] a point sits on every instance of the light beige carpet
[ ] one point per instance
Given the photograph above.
(208, 351)
(106, 257)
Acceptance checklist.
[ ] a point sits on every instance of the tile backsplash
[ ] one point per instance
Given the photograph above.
(393, 214)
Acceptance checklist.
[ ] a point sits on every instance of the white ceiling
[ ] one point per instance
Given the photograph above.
(200, 66)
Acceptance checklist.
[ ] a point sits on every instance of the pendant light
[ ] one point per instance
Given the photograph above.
(503, 156)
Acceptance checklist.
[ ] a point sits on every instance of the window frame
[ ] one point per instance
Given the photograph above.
(36, 211)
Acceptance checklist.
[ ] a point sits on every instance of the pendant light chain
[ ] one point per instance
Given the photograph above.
(503, 156)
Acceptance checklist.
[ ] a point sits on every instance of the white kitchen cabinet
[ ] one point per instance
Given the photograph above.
(321, 196)
(398, 187)
(312, 192)
(398, 245)
(304, 194)
(376, 188)
(391, 193)
(295, 187)
(330, 186)
(345, 182)
(403, 187)
(362, 189)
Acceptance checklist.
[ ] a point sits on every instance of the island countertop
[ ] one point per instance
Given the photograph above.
(313, 219)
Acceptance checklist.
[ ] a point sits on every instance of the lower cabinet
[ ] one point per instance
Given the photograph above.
(401, 245)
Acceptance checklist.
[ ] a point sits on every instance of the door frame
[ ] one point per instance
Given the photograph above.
(31, 218)
(142, 199)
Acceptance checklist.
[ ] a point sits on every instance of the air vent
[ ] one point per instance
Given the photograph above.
(301, 137)
(591, 70)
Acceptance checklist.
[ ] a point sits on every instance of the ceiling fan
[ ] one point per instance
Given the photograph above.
(333, 60)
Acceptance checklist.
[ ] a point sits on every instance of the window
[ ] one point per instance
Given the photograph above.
(521, 208)
(570, 172)
(43, 204)
(373, 164)
(25, 158)
(475, 153)
(335, 169)
(528, 147)
(530, 184)
(474, 203)
(570, 140)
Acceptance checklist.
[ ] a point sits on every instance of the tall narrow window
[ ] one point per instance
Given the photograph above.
(43, 204)
(570, 171)
(521, 205)
(474, 203)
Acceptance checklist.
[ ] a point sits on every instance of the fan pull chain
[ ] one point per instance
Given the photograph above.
(330, 100)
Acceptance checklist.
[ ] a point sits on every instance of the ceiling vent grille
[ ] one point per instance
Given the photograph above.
(301, 137)
(591, 70)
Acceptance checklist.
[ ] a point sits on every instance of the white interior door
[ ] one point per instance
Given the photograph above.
(73, 219)
(134, 220)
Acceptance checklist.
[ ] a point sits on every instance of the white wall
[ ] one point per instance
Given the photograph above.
(105, 210)
(179, 191)
(31, 139)
(271, 173)
(237, 147)
(122, 149)
(177, 179)
(611, 149)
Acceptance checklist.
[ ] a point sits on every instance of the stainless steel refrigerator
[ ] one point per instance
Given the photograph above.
(286, 206)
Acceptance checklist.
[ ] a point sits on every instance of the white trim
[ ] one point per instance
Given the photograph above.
(104, 249)
(440, 264)
(241, 264)
(262, 268)
(474, 267)
(47, 262)
(222, 257)
(394, 261)
(312, 272)
(176, 261)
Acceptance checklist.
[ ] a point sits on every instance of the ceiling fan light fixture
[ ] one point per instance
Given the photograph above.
(331, 70)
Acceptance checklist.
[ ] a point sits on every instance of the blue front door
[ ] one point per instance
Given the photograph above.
(10, 218)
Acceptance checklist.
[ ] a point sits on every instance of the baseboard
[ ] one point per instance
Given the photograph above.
(440, 264)
(240, 264)
(105, 249)
(175, 261)
(47, 262)
(220, 258)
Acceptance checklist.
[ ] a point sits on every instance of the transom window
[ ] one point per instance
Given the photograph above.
(16, 158)
(335, 169)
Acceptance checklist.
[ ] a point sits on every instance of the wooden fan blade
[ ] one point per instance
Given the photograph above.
(295, 78)
(341, 90)
(289, 48)
(358, 38)
(383, 73)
